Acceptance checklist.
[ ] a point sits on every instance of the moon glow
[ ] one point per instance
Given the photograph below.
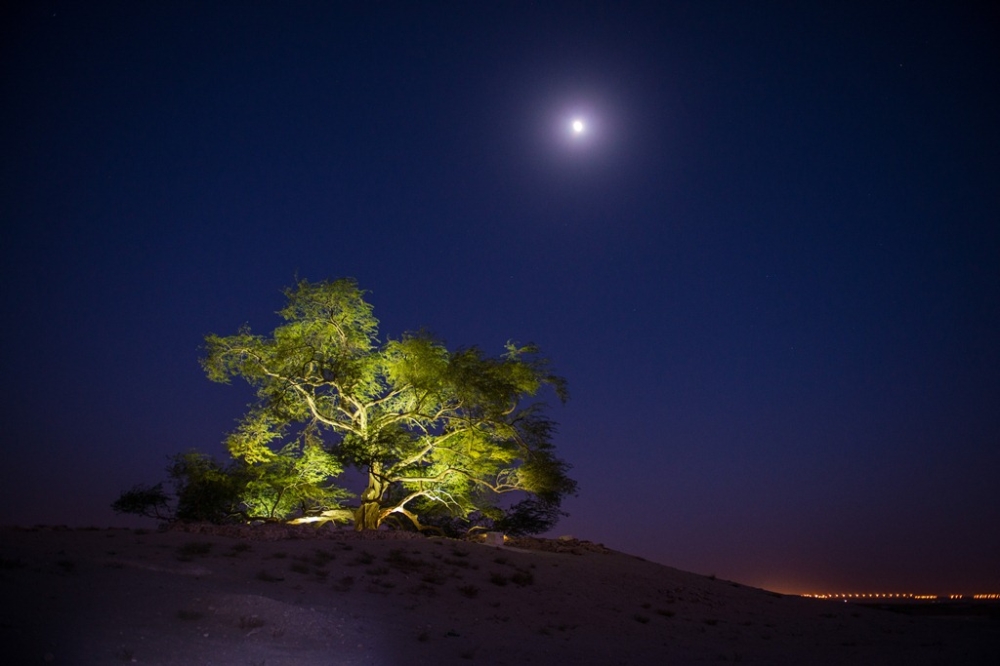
(577, 126)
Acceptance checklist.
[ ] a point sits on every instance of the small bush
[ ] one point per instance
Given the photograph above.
(238, 548)
(323, 557)
(147, 501)
(470, 591)
(498, 579)
(268, 578)
(433, 577)
(399, 559)
(523, 578)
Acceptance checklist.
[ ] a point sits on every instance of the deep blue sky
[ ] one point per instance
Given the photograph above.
(770, 270)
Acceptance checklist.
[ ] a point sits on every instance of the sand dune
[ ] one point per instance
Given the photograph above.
(271, 597)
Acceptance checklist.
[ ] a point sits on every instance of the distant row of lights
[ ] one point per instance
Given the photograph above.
(919, 597)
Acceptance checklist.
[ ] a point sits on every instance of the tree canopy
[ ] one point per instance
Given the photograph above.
(437, 433)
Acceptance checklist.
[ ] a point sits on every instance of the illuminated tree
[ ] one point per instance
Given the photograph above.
(433, 430)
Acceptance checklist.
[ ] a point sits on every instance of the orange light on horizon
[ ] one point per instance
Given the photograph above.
(864, 596)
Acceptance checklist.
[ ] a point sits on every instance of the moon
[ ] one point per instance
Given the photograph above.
(577, 126)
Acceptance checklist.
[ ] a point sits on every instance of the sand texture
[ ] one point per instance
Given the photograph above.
(270, 597)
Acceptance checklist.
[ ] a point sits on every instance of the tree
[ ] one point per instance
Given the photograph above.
(433, 430)
(206, 491)
(143, 500)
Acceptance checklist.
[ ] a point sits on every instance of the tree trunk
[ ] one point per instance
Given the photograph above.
(369, 514)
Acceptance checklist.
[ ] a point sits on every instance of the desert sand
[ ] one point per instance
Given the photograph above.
(281, 596)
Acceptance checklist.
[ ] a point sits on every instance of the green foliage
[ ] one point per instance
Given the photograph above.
(294, 481)
(436, 431)
(529, 516)
(205, 490)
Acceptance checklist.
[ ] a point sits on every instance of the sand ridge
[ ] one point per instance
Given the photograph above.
(280, 595)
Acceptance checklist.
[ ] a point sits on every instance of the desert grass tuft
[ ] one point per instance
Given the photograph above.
(344, 584)
(523, 578)
(423, 590)
(401, 560)
(268, 577)
(470, 591)
(322, 557)
(237, 549)
(433, 577)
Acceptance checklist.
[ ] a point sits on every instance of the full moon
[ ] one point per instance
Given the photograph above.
(578, 126)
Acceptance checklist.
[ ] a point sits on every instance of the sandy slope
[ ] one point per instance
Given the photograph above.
(122, 596)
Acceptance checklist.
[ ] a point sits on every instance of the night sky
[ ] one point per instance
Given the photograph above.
(769, 268)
